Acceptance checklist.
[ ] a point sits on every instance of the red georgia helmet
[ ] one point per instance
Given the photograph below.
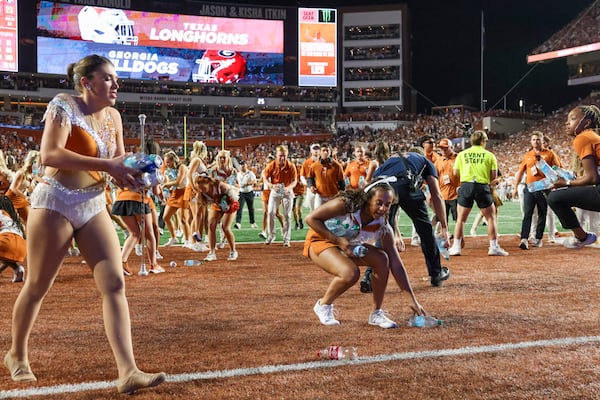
(220, 66)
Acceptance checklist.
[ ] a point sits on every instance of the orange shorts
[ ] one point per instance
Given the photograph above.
(12, 247)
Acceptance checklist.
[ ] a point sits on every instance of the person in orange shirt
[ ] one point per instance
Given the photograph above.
(449, 181)
(326, 176)
(309, 196)
(428, 144)
(280, 176)
(533, 200)
(583, 192)
(264, 197)
(356, 171)
(299, 190)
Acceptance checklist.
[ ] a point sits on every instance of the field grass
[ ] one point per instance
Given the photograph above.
(509, 222)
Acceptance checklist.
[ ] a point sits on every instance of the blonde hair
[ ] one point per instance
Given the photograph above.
(199, 150)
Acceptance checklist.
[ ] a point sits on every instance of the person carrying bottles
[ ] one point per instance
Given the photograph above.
(537, 199)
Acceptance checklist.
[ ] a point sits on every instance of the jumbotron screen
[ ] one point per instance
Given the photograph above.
(9, 60)
(152, 45)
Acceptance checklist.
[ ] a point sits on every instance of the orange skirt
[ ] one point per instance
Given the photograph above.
(12, 247)
(17, 200)
(177, 199)
(317, 242)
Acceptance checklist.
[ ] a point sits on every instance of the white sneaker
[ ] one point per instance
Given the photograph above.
(221, 244)
(269, 240)
(237, 225)
(75, 251)
(497, 251)
(551, 239)
(199, 246)
(19, 274)
(379, 318)
(138, 249)
(574, 243)
(325, 313)
(537, 243)
(179, 233)
(233, 255)
(286, 243)
(416, 241)
(211, 257)
(454, 250)
(524, 245)
(171, 242)
(158, 255)
(254, 226)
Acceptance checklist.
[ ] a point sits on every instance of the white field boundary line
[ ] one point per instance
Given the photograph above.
(274, 369)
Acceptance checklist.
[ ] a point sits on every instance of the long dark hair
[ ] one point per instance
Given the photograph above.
(7, 205)
(356, 199)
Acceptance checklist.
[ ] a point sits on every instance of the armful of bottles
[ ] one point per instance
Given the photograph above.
(552, 174)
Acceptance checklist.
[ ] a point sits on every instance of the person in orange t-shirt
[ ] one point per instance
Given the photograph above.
(356, 171)
(449, 181)
(309, 196)
(533, 200)
(280, 176)
(326, 176)
(299, 190)
(583, 192)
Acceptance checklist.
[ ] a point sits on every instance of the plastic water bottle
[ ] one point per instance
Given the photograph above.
(361, 182)
(280, 189)
(336, 226)
(444, 251)
(338, 353)
(152, 178)
(563, 173)
(192, 263)
(542, 184)
(144, 162)
(547, 170)
(424, 321)
(147, 165)
(360, 251)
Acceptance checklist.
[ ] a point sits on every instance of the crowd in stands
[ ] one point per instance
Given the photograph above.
(581, 31)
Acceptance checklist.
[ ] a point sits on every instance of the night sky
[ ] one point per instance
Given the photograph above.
(445, 45)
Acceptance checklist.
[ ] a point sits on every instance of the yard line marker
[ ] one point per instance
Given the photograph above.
(271, 369)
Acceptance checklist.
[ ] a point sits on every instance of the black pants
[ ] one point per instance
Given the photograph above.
(531, 200)
(416, 209)
(562, 200)
(247, 198)
(451, 209)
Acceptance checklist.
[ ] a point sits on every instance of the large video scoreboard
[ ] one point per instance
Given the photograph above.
(202, 43)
